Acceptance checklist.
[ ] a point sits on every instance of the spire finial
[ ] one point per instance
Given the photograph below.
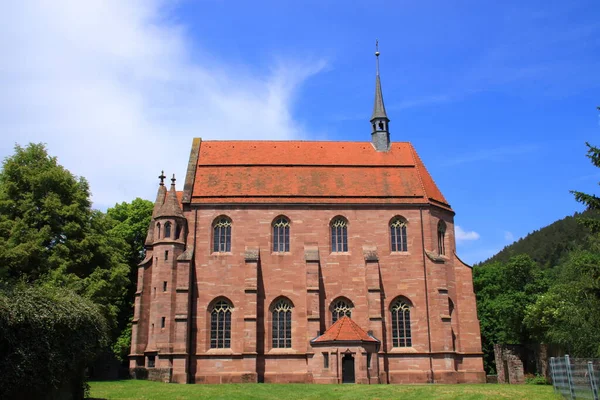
(377, 54)
(173, 180)
(162, 178)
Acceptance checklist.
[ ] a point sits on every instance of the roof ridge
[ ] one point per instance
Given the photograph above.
(294, 141)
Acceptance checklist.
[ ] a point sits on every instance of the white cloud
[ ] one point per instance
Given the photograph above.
(508, 236)
(111, 87)
(464, 236)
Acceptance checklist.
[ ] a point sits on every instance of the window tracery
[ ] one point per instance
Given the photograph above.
(222, 235)
(220, 325)
(398, 234)
(282, 324)
(281, 235)
(401, 331)
(339, 235)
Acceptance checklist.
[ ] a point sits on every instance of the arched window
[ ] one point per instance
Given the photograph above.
(222, 235)
(220, 325)
(158, 229)
(339, 235)
(282, 324)
(340, 308)
(398, 234)
(177, 231)
(441, 233)
(167, 229)
(401, 336)
(281, 234)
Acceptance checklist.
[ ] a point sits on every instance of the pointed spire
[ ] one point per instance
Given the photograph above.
(380, 135)
(160, 199)
(379, 107)
(171, 207)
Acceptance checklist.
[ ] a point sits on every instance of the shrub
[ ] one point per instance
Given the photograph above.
(47, 337)
(536, 379)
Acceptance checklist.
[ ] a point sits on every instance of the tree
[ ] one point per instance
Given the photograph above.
(47, 336)
(591, 201)
(130, 223)
(503, 291)
(570, 306)
(49, 235)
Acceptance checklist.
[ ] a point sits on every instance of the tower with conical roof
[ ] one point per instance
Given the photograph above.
(163, 282)
(380, 135)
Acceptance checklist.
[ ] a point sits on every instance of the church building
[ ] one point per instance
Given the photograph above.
(305, 261)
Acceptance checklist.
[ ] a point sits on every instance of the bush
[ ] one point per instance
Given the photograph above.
(47, 337)
(536, 379)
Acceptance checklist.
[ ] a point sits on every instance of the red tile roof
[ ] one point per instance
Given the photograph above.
(311, 172)
(345, 330)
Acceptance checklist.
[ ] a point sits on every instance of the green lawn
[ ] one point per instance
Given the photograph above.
(132, 389)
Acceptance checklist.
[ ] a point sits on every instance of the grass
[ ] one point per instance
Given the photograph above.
(132, 389)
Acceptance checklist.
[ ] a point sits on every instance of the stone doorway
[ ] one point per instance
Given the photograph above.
(348, 369)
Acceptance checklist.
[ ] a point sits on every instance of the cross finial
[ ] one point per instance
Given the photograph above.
(173, 180)
(377, 54)
(162, 178)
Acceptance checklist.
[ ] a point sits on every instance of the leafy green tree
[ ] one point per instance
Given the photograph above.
(49, 234)
(130, 223)
(567, 315)
(47, 336)
(503, 291)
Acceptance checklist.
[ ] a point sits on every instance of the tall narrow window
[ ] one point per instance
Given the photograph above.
(164, 286)
(220, 325)
(167, 229)
(339, 235)
(163, 322)
(282, 324)
(177, 231)
(341, 308)
(222, 235)
(166, 255)
(401, 336)
(281, 235)
(325, 360)
(441, 233)
(158, 229)
(398, 234)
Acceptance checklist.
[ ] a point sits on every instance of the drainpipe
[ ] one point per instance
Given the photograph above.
(426, 295)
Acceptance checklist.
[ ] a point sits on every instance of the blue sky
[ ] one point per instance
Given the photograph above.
(497, 97)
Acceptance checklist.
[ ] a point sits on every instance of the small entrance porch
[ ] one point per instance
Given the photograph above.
(345, 353)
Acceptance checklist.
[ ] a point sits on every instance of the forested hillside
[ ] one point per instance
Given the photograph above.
(544, 288)
(549, 245)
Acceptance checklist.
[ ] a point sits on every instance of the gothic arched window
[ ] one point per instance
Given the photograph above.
(281, 234)
(441, 233)
(339, 235)
(167, 229)
(398, 234)
(222, 235)
(401, 335)
(282, 324)
(177, 231)
(158, 229)
(220, 325)
(340, 308)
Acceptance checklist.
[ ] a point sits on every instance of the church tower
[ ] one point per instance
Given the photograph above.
(380, 135)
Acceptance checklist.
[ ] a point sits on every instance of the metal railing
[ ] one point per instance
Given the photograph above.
(575, 378)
